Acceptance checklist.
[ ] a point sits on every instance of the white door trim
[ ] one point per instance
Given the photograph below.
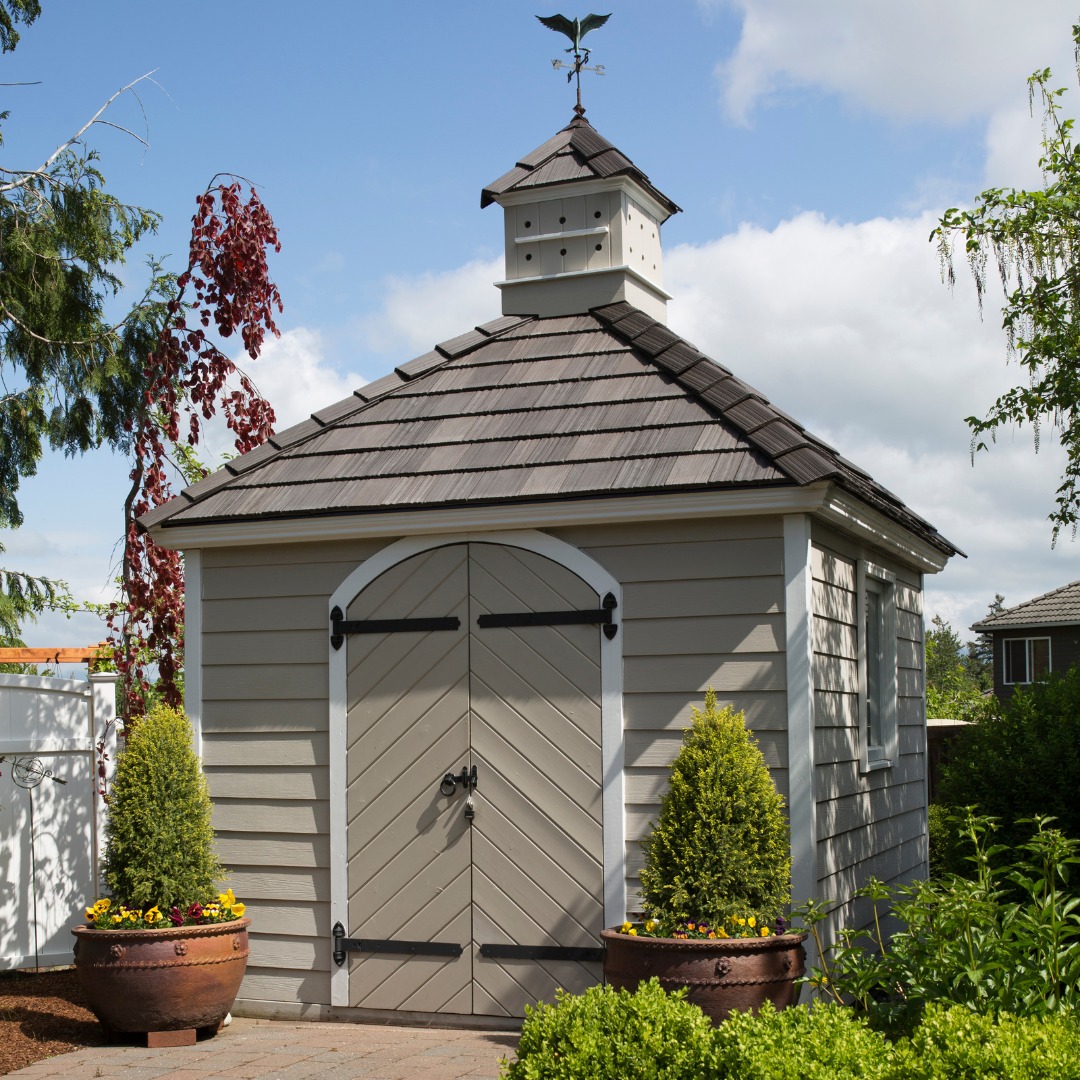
(611, 719)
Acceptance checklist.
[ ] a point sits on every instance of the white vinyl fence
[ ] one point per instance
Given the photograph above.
(51, 819)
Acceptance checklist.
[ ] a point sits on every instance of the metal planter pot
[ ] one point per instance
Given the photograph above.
(177, 980)
(721, 975)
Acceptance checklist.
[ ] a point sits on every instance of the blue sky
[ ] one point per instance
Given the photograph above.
(811, 148)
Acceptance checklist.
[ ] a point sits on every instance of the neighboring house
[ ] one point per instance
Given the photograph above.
(1033, 639)
(443, 637)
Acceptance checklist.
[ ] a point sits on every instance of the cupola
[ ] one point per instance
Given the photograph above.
(582, 228)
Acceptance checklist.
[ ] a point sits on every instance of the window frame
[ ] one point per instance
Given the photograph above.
(878, 748)
(1029, 659)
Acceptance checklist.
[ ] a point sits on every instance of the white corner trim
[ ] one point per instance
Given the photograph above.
(611, 719)
(530, 515)
(848, 513)
(799, 614)
(193, 645)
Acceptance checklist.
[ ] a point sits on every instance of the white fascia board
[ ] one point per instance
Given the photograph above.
(546, 515)
(845, 512)
(544, 193)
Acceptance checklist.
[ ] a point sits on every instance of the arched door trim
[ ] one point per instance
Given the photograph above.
(611, 719)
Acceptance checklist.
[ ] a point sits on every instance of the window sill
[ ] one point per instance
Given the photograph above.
(876, 766)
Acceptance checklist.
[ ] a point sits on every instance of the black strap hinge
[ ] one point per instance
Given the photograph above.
(601, 615)
(343, 944)
(340, 626)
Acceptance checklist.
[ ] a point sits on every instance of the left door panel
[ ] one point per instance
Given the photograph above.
(409, 845)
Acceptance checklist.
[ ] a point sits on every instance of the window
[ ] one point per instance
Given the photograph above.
(877, 665)
(1026, 659)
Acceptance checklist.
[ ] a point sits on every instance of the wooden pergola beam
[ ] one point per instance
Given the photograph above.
(49, 655)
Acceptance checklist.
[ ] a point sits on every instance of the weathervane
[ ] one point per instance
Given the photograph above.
(575, 30)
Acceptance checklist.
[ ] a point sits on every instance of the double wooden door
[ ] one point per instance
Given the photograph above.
(475, 831)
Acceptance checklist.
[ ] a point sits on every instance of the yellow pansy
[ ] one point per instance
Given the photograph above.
(632, 931)
(237, 910)
(227, 898)
(117, 919)
(626, 928)
(102, 905)
(153, 915)
(751, 921)
(765, 931)
(91, 914)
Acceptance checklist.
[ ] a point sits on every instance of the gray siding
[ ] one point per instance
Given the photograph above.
(869, 824)
(703, 606)
(265, 721)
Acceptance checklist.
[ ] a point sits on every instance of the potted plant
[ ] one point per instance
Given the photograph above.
(716, 880)
(165, 952)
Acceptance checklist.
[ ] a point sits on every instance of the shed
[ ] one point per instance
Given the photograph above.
(444, 635)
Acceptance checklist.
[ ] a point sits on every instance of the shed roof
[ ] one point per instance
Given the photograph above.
(578, 152)
(532, 409)
(1062, 606)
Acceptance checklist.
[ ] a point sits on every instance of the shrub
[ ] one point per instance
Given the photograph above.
(606, 1034)
(965, 941)
(159, 837)
(955, 1044)
(828, 1043)
(720, 847)
(1022, 760)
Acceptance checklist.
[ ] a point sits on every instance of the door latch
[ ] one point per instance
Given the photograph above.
(466, 778)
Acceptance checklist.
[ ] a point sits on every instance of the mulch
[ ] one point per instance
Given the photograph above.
(43, 1014)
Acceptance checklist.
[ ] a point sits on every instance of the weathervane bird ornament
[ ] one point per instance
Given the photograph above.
(575, 30)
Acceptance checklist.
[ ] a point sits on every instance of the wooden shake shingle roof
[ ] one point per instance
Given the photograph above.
(578, 152)
(532, 409)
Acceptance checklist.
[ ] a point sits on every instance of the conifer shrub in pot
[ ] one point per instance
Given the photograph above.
(716, 880)
(165, 952)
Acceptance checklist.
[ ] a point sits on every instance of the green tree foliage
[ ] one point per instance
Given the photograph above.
(979, 660)
(720, 846)
(1032, 238)
(951, 693)
(11, 12)
(71, 378)
(1021, 759)
(159, 837)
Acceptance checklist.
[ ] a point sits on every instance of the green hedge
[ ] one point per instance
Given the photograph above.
(650, 1035)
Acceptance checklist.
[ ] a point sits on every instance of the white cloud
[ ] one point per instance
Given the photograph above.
(848, 328)
(911, 59)
(449, 303)
(295, 376)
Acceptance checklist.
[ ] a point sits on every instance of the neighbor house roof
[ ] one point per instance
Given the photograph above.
(578, 152)
(1062, 606)
(607, 403)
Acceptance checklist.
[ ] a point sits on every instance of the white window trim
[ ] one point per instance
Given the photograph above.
(1028, 659)
(883, 581)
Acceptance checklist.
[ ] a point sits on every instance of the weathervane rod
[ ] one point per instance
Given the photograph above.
(575, 30)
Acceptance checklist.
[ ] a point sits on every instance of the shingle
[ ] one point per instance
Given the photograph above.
(807, 465)
(750, 414)
(165, 511)
(726, 393)
(339, 410)
(248, 461)
(701, 376)
(463, 343)
(589, 141)
(297, 433)
(633, 323)
(545, 150)
(505, 183)
(501, 326)
(372, 390)
(655, 339)
(778, 437)
(610, 163)
(421, 365)
(610, 313)
(678, 358)
(556, 171)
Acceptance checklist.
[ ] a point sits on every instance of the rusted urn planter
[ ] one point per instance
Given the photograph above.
(720, 974)
(177, 980)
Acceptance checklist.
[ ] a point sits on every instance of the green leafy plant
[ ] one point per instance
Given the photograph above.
(963, 941)
(720, 847)
(1022, 760)
(607, 1034)
(826, 1043)
(159, 837)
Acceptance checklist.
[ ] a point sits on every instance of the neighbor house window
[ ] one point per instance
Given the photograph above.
(1026, 659)
(877, 665)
